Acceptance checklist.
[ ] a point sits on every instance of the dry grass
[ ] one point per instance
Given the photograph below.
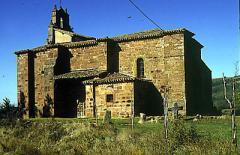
(72, 136)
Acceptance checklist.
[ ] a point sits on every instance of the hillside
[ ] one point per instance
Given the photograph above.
(218, 96)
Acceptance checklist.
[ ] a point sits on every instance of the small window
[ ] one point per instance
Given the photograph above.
(109, 98)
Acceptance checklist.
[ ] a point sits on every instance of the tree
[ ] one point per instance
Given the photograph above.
(7, 110)
(232, 103)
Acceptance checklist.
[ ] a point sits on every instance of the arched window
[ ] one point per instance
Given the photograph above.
(140, 68)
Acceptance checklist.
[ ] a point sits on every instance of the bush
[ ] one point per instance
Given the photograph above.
(180, 135)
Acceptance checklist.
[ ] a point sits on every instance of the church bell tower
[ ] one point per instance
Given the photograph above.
(59, 20)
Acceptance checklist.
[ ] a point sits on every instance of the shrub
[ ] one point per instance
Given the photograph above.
(180, 135)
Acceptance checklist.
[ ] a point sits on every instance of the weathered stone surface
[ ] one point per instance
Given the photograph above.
(169, 58)
(123, 99)
(94, 57)
(163, 60)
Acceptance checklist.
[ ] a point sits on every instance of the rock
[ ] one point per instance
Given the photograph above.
(149, 118)
(195, 120)
(157, 119)
(107, 117)
(152, 120)
(222, 117)
(161, 117)
(199, 116)
(142, 118)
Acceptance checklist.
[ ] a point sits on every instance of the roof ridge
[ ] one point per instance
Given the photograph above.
(147, 34)
(68, 44)
(85, 69)
(127, 74)
(79, 74)
(154, 33)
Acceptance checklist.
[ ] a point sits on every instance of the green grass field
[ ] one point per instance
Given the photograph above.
(83, 136)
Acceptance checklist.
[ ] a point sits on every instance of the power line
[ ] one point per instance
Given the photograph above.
(152, 21)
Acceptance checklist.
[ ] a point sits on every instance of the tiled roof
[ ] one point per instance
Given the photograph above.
(71, 44)
(149, 34)
(80, 43)
(155, 33)
(78, 74)
(111, 78)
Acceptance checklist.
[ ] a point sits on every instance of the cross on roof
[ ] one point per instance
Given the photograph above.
(175, 110)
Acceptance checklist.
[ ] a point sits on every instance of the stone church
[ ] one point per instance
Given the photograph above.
(81, 76)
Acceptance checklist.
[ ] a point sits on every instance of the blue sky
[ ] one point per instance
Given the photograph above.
(24, 25)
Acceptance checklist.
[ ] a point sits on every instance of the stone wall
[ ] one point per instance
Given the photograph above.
(175, 70)
(36, 72)
(193, 78)
(207, 103)
(163, 63)
(89, 57)
(206, 91)
(35, 80)
(120, 106)
(198, 80)
(173, 60)
(44, 63)
(22, 81)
